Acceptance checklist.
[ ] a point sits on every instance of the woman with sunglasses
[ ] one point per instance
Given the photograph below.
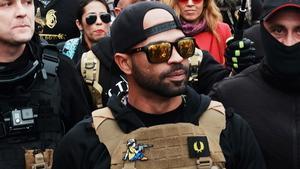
(202, 20)
(93, 20)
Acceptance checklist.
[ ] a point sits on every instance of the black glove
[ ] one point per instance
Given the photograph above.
(240, 54)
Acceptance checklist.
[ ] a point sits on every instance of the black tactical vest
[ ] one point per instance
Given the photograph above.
(30, 120)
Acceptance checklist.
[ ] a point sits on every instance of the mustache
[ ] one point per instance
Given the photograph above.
(174, 68)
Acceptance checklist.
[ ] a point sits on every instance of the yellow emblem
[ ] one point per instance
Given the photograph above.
(197, 148)
(51, 18)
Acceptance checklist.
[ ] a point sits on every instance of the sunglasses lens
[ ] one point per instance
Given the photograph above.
(105, 18)
(91, 19)
(159, 53)
(186, 47)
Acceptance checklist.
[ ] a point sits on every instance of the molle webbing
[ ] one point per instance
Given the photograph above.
(170, 149)
(90, 70)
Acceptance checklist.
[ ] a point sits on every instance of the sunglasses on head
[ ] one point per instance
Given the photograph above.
(92, 18)
(186, 1)
(159, 52)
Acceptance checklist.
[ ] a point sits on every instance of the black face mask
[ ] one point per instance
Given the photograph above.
(282, 60)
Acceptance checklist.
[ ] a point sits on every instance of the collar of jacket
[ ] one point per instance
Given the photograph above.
(283, 83)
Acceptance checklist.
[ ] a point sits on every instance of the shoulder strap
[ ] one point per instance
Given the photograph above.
(195, 62)
(50, 60)
(90, 70)
(109, 132)
(213, 121)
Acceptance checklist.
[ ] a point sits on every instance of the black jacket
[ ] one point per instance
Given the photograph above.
(81, 149)
(272, 111)
(74, 104)
(58, 102)
(210, 72)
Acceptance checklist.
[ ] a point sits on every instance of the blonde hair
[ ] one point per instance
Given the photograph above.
(211, 13)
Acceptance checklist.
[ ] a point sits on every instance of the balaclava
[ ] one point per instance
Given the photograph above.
(281, 59)
(281, 64)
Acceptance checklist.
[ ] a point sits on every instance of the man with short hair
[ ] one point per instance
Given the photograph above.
(160, 122)
(206, 70)
(268, 95)
(37, 106)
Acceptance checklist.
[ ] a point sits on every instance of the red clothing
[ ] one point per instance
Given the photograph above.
(206, 41)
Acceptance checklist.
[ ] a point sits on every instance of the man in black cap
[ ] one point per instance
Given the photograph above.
(205, 72)
(268, 95)
(160, 122)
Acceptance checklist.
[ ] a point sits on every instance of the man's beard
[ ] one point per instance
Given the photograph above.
(157, 85)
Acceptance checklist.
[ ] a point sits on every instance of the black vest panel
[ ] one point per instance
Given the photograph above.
(30, 120)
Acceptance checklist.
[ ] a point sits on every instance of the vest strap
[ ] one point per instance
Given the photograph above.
(90, 70)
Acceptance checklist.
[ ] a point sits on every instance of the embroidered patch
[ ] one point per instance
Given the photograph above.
(198, 146)
(135, 151)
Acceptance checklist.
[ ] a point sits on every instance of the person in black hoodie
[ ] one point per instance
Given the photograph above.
(268, 95)
(41, 94)
(154, 60)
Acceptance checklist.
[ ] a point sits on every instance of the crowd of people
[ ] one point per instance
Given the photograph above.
(158, 84)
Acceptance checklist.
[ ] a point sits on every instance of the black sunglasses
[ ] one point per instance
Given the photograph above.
(159, 52)
(92, 18)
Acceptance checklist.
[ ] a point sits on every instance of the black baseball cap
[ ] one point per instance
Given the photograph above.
(127, 29)
(272, 6)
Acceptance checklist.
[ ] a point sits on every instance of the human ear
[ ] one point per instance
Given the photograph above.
(124, 62)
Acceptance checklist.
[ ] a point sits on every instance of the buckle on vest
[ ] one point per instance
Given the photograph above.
(50, 61)
(90, 65)
(204, 163)
(39, 159)
(39, 162)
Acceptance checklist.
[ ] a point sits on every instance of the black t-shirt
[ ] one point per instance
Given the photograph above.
(150, 119)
